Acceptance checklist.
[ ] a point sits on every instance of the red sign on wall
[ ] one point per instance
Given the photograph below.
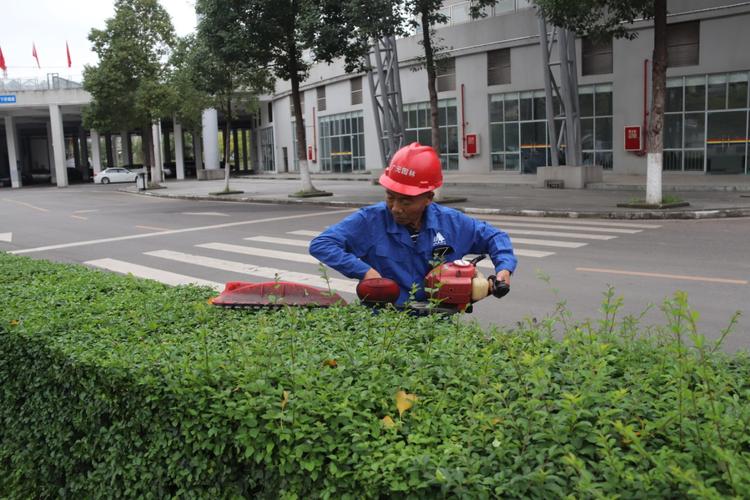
(472, 144)
(633, 138)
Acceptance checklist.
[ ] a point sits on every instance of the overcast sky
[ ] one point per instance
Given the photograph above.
(49, 23)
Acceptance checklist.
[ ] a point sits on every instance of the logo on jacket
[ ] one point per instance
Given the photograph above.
(438, 240)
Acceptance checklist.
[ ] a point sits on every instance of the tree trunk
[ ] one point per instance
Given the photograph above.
(659, 89)
(431, 80)
(431, 88)
(227, 131)
(304, 171)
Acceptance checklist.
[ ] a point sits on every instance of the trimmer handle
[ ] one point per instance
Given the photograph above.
(498, 288)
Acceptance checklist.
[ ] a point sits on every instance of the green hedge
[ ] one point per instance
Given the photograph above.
(112, 386)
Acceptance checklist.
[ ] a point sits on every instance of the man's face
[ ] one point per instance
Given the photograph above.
(407, 210)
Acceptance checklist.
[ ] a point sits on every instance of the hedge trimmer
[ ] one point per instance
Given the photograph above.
(452, 287)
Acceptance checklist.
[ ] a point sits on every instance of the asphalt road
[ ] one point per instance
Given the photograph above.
(562, 261)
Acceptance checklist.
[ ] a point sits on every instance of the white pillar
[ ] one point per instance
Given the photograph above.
(58, 145)
(125, 138)
(156, 170)
(11, 139)
(179, 153)
(51, 154)
(211, 139)
(96, 152)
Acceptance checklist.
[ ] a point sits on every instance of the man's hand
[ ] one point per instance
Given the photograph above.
(372, 273)
(499, 285)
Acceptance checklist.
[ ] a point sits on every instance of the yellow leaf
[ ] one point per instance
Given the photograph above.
(496, 421)
(285, 400)
(14, 322)
(210, 300)
(388, 422)
(404, 401)
(331, 362)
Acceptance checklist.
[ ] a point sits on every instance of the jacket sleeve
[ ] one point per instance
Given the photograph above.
(494, 242)
(340, 246)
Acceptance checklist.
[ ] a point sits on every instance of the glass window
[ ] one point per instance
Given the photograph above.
(498, 67)
(587, 133)
(674, 94)
(446, 74)
(321, 92)
(527, 106)
(342, 142)
(596, 56)
(496, 110)
(603, 101)
(510, 104)
(265, 139)
(695, 130)
(356, 90)
(270, 112)
(419, 129)
(683, 44)
(586, 101)
(603, 133)
(695, 93)
(737, 96)
(673, 131)
(717, 92)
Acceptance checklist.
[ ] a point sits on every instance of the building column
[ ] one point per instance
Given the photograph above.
(179, 151)
(236, 150)
(96, 152)
(51, 154)
(197, 150)
(167, 149)
(58, 145)
(244, 150)
(157, 173)
(110, 152)
(210, 120)
(11, 137)
(127, 158)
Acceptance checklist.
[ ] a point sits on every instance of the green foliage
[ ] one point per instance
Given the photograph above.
(598, 18)
(113, 387)
(128, 86)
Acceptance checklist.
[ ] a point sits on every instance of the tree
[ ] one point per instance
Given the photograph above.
(425, 15)
(606, 18)
(128, 86)
(220, 70)
(288, 38)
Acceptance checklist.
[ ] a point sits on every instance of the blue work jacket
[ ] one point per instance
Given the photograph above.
(371, 238)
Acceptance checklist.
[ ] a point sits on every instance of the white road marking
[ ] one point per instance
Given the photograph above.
(279, 241)
(262, 272)
(305, 232)
(300, 243)
(562, 226)
(176, 231)
(7, 237)
(210, 214)
(79, 217)
(557, 234)
(28, 205)
(548, 243)
(151, 273)
(575, 222)
(152, 228)
(522, 252)
(302, 258)
(85, 211)
(660, 275)
(523, 241)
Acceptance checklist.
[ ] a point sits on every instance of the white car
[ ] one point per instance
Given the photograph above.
(115, 175)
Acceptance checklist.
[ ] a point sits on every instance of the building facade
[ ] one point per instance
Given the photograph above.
(491, 85)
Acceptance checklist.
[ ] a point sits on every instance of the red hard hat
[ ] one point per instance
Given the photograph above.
(414, 169)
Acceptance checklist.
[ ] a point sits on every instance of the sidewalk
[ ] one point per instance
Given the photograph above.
(496, 193)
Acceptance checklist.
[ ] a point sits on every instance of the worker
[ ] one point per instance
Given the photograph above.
(406, 236)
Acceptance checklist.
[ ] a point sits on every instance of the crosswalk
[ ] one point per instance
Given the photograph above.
(249, 257)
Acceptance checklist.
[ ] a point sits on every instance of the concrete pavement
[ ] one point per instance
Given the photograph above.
(496, 193)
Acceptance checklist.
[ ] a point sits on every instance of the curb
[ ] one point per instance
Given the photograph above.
(718, 213)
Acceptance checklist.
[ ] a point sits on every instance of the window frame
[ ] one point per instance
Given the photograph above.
(501, 65)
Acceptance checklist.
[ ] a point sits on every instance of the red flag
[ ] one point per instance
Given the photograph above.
(67, 50)
(2, 61)
(33, 54)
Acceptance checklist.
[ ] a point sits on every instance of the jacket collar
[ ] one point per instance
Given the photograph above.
(429, 222)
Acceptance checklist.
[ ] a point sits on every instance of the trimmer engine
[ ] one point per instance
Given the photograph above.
(457, 284)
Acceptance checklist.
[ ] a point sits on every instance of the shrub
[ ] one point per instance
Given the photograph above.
(112, 386)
